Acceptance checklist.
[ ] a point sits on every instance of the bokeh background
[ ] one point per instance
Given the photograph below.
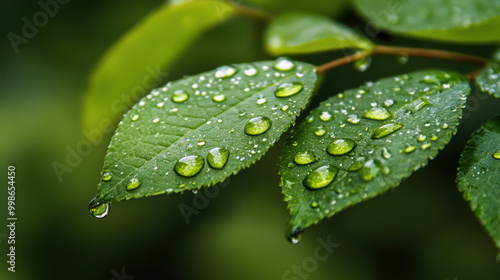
(422, 230)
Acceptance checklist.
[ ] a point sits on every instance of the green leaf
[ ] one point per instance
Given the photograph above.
(324, 7)
(479, 176)
(163, 141)
(488, 79)
(360, 143)
(445, 20)
(298, 33)
(139, 60)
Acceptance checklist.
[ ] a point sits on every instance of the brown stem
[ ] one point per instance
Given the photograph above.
(342, 61)
(251, 13)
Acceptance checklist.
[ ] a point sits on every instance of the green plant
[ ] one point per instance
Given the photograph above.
(357, 144)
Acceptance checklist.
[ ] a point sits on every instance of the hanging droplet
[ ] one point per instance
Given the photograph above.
(133, 184)
(189, 166)
(180, 96)
(257, 125)
(320, 177)
(497, 154)
(284, 64)
(288, 89)
(385, 153)
(362, 64)
(341, 147)
(353, 118)
(219, 97)
(325, 116)
(320, 130)
(377, 113)
(294, 235)
(225, 72)
(217, 157)
(107, 176)
(386, 129)
(304, 158)
(99, 210)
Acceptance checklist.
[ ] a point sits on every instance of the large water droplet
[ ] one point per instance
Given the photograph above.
(377, 113)
(320, 130)
(362, 64)
(353, 118)
(341, 147)
(257, 125)
(386, 129)
(305, 157)
(189, 166)
(284, 64)
(320, 177)
(180, 96)
(98, 210)
(497, 154)
(288, 89)
(225, 72)
(219, 97)
(325, 116)
(133, 184)
(217, 157)
(107, 176)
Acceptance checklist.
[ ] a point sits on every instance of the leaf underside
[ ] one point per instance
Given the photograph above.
(425, 105)
(212, 110)
(479, 176)
(451, 20)
(488, 79)
(140, 60)
(298, 33)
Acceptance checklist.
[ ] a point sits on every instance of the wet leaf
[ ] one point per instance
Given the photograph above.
(446, 20)
(372, 138)
(140, 60)
(199, 130)
(298, 33)
(479, 176)
(324, 7)
(488, 79)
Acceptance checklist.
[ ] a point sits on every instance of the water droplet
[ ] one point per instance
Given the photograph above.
(385, 153)
(325, 116)
(98, 210)
(257, 125)
(425, 146)
(369, 170)
(388, 103)
(320, 177)
(309, 119)
(497, 154)
(241, 113)
(156, 120)
(189, 166)
(421, 138)
(403, 59)
(261, 101)
(295, 143)
(341, 147)
(201, 142)
(107, 176)
(250, 71)
(219, 97)
(357, 164)
(409, 149)
(320, 130)
(295, 235)
(288, 89)
(284, 108)
(133, 184)
(445, 126)
(353, 118)
(386, 129)
(135, 117)
(362, 64)
(314, 204)
(225, 72)
(377, 113)
(434, 137)
(180, 96)
(284, 64)
(217, 157)
(304, 158)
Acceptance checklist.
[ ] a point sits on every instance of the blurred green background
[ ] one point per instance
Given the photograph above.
(422, 230)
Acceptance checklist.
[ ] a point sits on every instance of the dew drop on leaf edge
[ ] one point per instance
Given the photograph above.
(107, 176)
(284, 64)
(99, 210)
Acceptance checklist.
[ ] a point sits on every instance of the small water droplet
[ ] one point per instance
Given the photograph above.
(386, 129)
(309, 119)
(377, 113)
(304, 158)
(156, 120)
(288, 89)
(217, 157)
(369, 170)
(320, 177)
(261, 101)
(189, 166)
(284, 64)
(388, 103)
(385, 153)
(180, 96)
(295, 143)
(353, 119)
(403, 59)
(314, 204)
(421, 138)
(107, 176)
(357, 164)
(201, 142)
(325, 116)
(219, 97)
(225, 72)
(434, 137)
(99, 210)
(362, 64)
(425, 146)
(135, 117)
(341, 147)
(284, 108)
(241, 113)
(250, 71)
(257, 125)
(497, 154)
(133, 184)
(320, 130)
(409, 149)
